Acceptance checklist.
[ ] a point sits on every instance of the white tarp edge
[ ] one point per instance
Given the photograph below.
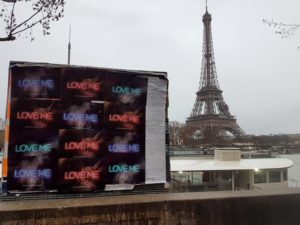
(155, 130)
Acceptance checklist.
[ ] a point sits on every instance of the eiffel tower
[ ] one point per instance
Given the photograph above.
(210, 114)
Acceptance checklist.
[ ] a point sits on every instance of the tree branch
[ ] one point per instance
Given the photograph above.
(28, 27)
(25, 21)
(12, 15)
(8, 38)
(43, 12)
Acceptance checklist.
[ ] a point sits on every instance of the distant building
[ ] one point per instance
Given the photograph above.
(228, 171)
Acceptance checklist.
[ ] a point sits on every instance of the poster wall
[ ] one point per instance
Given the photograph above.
(77, 129)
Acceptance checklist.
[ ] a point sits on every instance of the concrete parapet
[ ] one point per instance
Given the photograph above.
(259, 207)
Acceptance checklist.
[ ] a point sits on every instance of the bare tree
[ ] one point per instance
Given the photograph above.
(176, 133)
(42, 13)
(283, 29)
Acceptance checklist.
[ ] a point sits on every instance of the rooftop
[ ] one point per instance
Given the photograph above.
(200, 164)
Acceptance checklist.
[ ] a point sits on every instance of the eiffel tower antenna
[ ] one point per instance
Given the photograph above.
(69, 46)
(210, 114)
(206, 5)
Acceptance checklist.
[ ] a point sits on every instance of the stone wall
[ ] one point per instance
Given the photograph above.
(277, 207)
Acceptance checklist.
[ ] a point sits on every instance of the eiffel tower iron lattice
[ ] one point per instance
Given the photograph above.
(210, 113)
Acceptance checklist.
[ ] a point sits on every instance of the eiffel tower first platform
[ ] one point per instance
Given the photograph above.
(210, 114)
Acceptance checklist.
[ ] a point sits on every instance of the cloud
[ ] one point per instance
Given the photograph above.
(257, 71)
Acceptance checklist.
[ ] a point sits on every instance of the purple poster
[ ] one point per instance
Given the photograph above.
(83, 83)
(33, 142)
(126, 157)
(124, 117)
(81, 114)
(32, 173)
(35, 82)
(82, 143)
(75, 129)
(80, 174)
(35, 113)
(126, 89)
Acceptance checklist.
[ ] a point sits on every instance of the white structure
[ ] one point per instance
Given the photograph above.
(227, 171)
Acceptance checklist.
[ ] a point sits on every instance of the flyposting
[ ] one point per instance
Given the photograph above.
(77, 129)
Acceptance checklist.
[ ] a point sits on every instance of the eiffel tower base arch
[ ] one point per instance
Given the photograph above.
(210, 129)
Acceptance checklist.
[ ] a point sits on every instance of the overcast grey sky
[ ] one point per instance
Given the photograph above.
(258, 71)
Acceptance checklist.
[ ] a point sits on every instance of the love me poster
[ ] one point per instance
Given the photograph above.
(78, 129)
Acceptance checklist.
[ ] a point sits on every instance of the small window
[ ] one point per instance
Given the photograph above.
(285, 175)
(274, 176)
(197, 177)
(260, 177)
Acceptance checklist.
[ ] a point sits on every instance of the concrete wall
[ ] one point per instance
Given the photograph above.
(283, 184)
(277, 207)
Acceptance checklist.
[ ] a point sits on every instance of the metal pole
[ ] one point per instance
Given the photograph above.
(69, 46)
(232, 180)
